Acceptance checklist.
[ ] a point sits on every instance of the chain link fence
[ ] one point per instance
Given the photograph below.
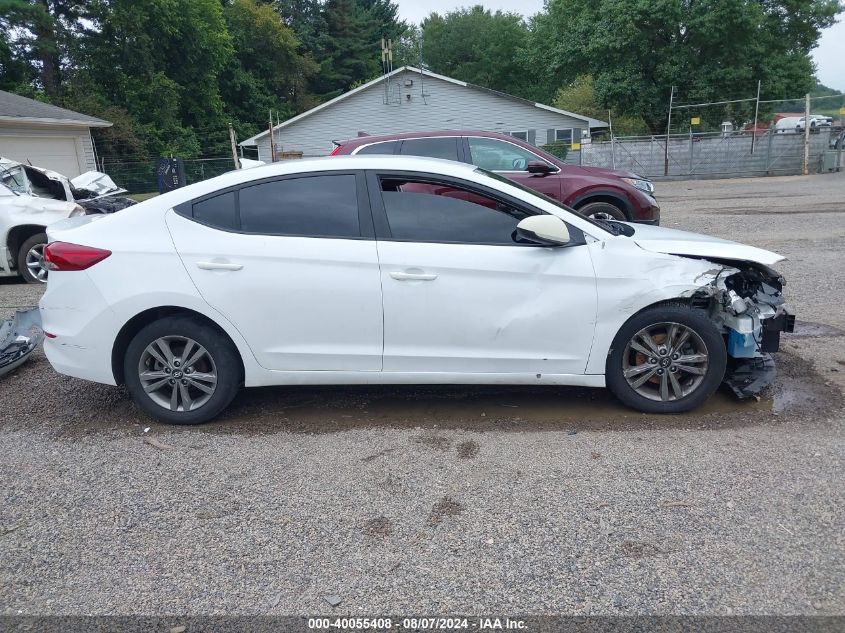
(139, 177)
(740, 137)
(714, 155)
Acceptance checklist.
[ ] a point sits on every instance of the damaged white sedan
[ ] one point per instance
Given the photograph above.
(378, 270)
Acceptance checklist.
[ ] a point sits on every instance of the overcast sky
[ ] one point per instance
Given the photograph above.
(829, 56)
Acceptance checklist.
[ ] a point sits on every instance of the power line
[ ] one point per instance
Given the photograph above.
(698, 105)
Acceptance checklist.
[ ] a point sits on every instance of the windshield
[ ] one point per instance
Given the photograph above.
(614, 228)
(5, 191)
(13, 177)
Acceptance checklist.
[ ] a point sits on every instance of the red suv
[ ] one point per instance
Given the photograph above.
(605, 194)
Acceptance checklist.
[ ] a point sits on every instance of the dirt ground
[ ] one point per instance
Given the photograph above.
(444, 500)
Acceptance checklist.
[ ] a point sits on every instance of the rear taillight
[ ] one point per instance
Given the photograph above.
(336, 150)
(62, 256)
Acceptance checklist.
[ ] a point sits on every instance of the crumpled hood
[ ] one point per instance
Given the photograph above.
(673, 242)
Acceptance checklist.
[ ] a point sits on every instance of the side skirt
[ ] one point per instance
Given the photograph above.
(269, 378)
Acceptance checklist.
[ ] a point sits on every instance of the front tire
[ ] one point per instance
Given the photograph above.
(31, 259)
(603, 211)
(666, 359)
(182, 371)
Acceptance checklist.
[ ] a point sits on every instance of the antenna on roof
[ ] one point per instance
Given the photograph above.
(422, 75)
(386, 65)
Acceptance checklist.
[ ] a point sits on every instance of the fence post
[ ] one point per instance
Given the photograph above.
(806, 169)
(234, 143)
(651, 168)
(771, 134)
(839, 143)
(690, 151)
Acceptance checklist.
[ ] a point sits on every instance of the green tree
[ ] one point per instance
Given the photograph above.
(37, 41)
(348, 50)
(160, 60)
(479, 47)
(636, 50)
(580, 97)
(267, 71)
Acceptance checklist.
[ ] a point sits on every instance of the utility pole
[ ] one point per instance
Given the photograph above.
(756, 112)
(807, 134)
(612, 142)
(668, 129)
(234, 147)
(272, 140)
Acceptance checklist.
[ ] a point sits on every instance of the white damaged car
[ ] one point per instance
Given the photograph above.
(33, 197)
(375, 270)
(23, 225)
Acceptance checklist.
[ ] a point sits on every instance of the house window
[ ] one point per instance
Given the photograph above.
(564, 136)
(522, 135)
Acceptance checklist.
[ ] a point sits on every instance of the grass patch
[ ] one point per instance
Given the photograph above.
(140, 197)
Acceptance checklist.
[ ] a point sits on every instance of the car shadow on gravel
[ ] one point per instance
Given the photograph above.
(35, 397)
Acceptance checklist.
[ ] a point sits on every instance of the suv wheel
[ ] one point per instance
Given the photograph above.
(603, 211)
(667, 359)
(31, 259)
(181, 371)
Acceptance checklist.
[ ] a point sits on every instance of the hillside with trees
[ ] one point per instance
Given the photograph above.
(171, 74)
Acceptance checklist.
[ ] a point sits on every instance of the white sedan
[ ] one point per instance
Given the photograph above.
(377, 270)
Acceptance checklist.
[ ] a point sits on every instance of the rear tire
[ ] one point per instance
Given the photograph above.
(603, 211)
(182, 371)
(667, 359)
(31, 259)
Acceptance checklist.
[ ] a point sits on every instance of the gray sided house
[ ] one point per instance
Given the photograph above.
(47, 136)
(413, 100)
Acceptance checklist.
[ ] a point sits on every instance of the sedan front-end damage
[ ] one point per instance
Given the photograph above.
(746, 303)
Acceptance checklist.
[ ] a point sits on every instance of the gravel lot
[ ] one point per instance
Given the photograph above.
(452, 500)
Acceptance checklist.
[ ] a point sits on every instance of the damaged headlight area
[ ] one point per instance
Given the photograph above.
(746, 302)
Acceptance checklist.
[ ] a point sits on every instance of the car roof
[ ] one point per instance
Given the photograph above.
(366, 140)
(375, 161)
(315, 165)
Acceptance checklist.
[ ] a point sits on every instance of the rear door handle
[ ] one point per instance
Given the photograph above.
(400, 276)
(218, 266)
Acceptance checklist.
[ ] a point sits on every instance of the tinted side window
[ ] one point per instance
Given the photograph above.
(387, 147)
(218, 211)
(435, 147)
(317, 206)
(428, 211)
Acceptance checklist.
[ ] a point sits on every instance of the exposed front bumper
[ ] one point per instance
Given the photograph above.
(748, 376)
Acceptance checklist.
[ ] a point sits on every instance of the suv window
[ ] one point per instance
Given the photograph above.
(434, 147)
(496, 155)
(385, 147)
(430, 211)
(316, 206)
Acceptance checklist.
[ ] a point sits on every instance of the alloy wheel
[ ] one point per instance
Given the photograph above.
(665, 362)
(177, 373)
(35, 263)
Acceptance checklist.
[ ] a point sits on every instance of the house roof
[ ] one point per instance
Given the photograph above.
(593, 123)
(15, 108)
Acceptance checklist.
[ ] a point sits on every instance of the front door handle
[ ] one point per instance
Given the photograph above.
(218, 266)
(401, 276)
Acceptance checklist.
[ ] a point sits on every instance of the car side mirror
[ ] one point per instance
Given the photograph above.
(548, 230)
(539, 167)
